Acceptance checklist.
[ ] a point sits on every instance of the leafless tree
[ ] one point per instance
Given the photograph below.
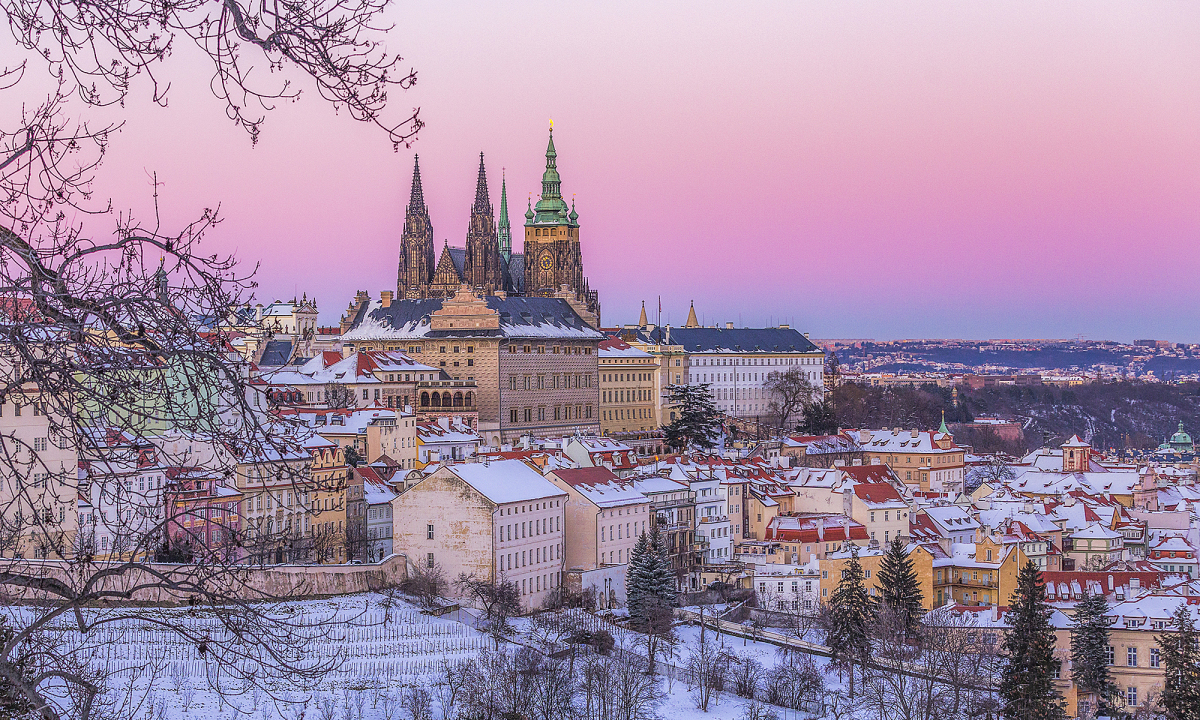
(115, 352)
(707, 671)
(426, 584)
(746, 674)
(790, 394)
(418, 703)
(451, 678)
(499, 599)
(338, 395)
(794, 682)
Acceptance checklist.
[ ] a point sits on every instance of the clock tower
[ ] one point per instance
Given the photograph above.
(553, 260)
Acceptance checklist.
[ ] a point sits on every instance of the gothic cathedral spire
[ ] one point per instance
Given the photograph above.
(416, 244)
(482, 264)
(505, 231)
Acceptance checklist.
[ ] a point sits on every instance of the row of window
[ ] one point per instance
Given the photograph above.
(564, 412)
(620, 396)
(758, 361)
(626, 377)
(554, 350)
(636, 414)
(554, 381)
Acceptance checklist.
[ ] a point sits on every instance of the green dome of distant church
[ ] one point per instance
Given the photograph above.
(1179, 442)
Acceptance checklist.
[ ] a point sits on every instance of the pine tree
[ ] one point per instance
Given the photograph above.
(1027, 689)
(636, 584)
(650, 591)
(697, 420)
(851, 612)
(899, 589)
(1089, 649)
(1181, 667)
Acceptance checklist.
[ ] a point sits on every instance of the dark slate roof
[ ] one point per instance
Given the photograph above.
(736, 340)
(520, 317)
(276, 353)
(516, 271)
(459, 257)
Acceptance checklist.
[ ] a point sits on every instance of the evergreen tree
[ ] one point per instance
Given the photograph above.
(899, 590)
(650, 591)
(1027, 689)
(1181, 667)
(636, 585)
(697, 420)
(1089, 649)
(850, 613)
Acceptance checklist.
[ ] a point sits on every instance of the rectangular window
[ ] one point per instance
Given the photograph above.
(512, 415)
(1154, 658)
(429, 531)
(1131, 657)
(429, 561)
(1110, 655)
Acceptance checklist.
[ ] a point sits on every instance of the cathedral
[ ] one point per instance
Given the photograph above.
(551, 262)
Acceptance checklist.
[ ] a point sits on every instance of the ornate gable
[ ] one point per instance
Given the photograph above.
(446, 276)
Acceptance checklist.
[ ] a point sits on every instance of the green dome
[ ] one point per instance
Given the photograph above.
(1181, 440)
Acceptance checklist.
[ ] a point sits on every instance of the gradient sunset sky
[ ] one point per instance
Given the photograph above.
(870, 170)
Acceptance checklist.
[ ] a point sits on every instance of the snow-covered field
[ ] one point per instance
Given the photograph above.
(378, 647)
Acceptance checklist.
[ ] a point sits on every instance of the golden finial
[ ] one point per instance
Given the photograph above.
(551, 123)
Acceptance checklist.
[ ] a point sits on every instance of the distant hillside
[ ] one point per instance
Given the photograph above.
(1109, 415)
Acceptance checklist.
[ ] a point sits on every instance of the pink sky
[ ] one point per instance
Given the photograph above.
(937, 169)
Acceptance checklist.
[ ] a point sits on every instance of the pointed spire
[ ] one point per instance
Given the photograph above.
(943, 429)
(692, 321)
(550, 208)
(416, 200)
(504, 235)
(642, 321)
(482, 203)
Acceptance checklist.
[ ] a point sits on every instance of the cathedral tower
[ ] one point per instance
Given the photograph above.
(481, 269)
(552, 255)
(416, 244)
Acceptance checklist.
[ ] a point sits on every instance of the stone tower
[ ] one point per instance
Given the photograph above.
(482, 265)
(553, 260)
(416, 244)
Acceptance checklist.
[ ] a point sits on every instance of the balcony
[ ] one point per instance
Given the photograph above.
(714, 519)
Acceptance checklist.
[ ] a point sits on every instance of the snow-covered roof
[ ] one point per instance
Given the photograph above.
(599, 486)
(903, 441)
(506, 481)
(1095, 531)
(519, 317)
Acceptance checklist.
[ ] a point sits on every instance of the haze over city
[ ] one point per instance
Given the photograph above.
(937, 170)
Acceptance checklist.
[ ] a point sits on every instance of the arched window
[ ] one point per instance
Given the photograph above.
(458, 399)
(446, 399)
(437, 399)
(470, 400)
(424, 399)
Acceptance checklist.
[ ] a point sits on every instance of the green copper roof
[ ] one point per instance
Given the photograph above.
(943, 428)
(504, 232)
(551, 209)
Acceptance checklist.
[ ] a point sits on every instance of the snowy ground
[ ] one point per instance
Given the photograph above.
(381, 646)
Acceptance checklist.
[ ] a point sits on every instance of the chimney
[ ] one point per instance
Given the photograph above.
(728, 326)
(444, 422)
(385, 298)
(916, 433)
(864, 436)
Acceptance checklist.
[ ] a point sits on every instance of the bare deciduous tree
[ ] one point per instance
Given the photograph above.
(116, 354)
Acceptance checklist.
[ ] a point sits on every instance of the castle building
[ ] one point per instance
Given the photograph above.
(551, 262)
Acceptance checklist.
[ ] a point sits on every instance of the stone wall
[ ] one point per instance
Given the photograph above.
(292, 582)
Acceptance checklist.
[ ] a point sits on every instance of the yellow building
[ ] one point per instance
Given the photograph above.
(627, 388)
(329, 501)
(927, 459)
(834, 563)
(1134, 659)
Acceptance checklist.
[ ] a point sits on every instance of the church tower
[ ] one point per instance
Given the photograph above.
(416, 244)
(552, 254)
(482, 265)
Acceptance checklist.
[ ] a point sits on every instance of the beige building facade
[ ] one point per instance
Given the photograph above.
(499, 521)
(627, 388)
(531, 361)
